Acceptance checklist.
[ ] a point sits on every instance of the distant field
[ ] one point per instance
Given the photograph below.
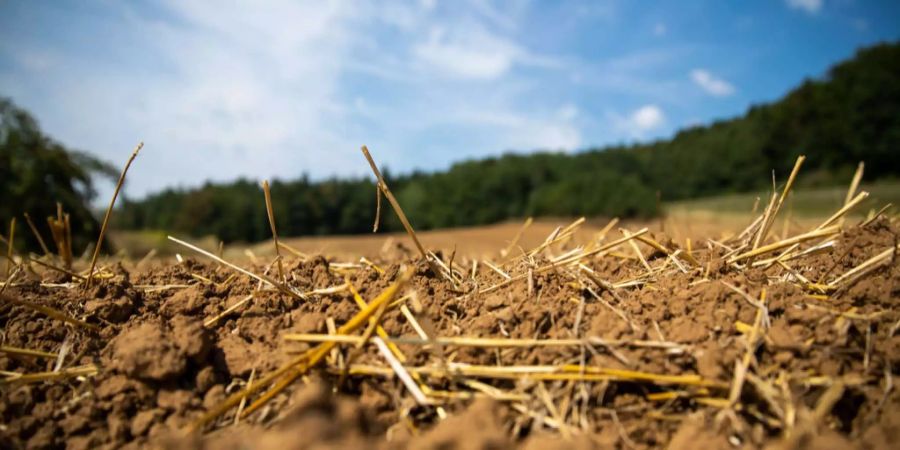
(801, 202)
(707, 217)
(804, 209)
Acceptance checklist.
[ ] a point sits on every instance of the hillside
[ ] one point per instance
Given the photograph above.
(851, 114)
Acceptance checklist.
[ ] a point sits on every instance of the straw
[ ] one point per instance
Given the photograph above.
(109, 210)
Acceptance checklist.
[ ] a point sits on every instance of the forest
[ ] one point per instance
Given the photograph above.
(850, 114)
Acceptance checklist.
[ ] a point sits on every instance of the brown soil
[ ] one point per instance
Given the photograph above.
(659, 370)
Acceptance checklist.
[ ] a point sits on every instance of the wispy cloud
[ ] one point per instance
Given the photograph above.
(808, 6)
(219, 90)
(470, 52)
(711, 84)
(549, 130)
(640, 75)
(238, 90)
(639, 122)
(647, 117)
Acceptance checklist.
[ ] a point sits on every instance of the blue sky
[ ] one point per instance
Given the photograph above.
(224, 89)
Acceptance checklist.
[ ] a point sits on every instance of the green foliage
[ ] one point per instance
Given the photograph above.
(36, 173)
(851, 115)
(237, 211)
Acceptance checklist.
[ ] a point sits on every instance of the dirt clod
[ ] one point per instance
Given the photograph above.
(623, 358)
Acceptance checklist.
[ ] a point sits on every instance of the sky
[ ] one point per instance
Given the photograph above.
(278, 89)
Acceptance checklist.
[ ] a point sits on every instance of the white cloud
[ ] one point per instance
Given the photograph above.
(218, 104)
(526, 133)
(472, 52)
(467, 56)
(808, 6)
(711, 84)
(565, 137)
(641, 122)
(508, 128)
(223, 92)
(647, 117)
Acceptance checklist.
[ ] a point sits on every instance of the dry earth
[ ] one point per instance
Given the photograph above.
(594, 340)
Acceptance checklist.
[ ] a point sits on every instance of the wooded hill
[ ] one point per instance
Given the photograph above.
(849, 115)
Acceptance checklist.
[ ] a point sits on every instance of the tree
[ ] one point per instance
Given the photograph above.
(37, 172)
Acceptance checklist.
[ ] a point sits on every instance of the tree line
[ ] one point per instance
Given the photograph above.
(849, 115)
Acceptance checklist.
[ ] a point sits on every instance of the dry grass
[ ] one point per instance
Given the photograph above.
(545, 391)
